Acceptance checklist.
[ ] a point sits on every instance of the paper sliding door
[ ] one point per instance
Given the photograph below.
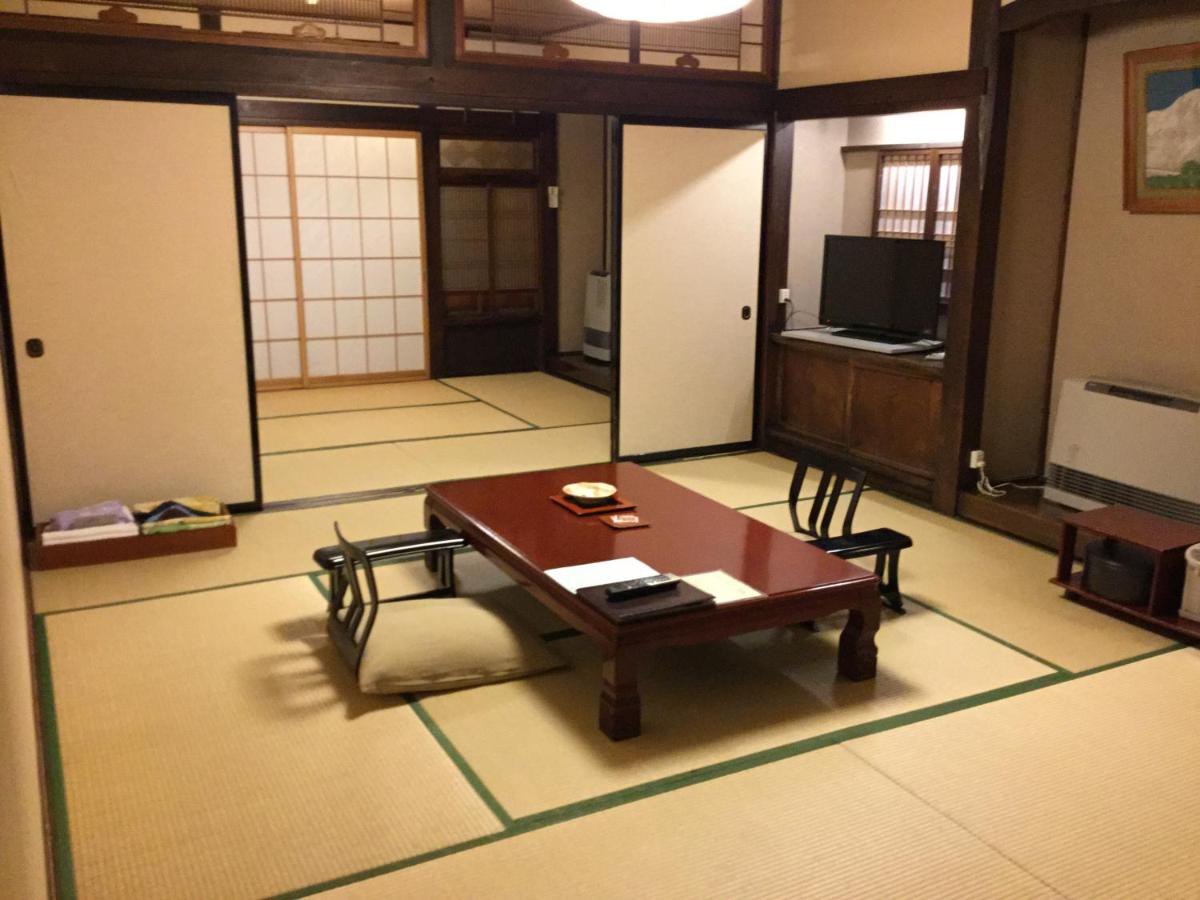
(690, 232)
(334, 232)
(124, 288)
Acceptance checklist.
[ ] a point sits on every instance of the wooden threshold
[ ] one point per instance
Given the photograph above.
(1023, 514)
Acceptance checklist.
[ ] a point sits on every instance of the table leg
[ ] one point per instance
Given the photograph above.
(1066, 552)
(856, 647)
(620, 703)
(432, 523)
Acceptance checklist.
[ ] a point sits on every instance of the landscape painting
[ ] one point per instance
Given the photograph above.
(1162, 130)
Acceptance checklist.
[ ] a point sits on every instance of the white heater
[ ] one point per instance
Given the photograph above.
(1125, 444)
(597, 317)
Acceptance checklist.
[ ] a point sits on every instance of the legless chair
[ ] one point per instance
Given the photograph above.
(882, 543)
(422, 642)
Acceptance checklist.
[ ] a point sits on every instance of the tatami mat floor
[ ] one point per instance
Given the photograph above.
(204, 742)
(378, 437)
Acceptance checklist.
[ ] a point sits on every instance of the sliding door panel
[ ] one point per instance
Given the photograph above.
(690, 233)
(337, 263)
(121, 252)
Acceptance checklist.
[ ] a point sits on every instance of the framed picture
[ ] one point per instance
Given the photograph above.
(1162, 130)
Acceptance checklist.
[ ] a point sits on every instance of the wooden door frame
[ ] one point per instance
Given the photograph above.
(8, 348)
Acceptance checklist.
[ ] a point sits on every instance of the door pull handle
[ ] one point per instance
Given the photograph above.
(35, 348)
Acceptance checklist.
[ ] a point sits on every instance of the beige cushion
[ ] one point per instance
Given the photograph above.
(447, 642)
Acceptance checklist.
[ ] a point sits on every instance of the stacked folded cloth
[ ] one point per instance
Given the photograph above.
(103, 521)
(180, 514)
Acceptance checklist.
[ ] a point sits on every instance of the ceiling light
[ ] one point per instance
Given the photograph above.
(662, 10)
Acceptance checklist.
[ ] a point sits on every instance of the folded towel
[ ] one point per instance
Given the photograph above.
(110, 512)
(83, 535)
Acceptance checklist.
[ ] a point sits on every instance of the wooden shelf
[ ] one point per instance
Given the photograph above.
(1174, 626)
(1166, 539)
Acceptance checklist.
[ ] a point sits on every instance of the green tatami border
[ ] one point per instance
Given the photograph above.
(489, 403)
(334, 412)
(56, 787)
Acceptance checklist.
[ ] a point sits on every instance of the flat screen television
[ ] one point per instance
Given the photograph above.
(889, 285)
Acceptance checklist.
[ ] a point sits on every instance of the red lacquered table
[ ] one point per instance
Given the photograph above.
(511, 520)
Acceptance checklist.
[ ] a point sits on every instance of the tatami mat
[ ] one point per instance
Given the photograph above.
(317, 473)
(498, 454)
(381, 425)
(995, 583)
(819, 825)
(538, 398)
(366, 396)
(320, 473)
(269, 545)
(1092, 785)
(214, 746)
(535, 743)
(743, 479)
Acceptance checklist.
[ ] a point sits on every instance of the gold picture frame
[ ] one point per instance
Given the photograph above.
(1162, 130)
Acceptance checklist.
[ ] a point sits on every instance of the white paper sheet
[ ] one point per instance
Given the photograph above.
(574, 578)
(723, 587)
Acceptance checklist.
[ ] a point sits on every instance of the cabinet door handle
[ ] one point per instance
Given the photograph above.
(35, 348)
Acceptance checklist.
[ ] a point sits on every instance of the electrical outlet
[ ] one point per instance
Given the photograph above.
(977, 460)
(785, 294)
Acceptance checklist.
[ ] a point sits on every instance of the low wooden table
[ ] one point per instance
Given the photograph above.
(511, 520)
(1166, 539)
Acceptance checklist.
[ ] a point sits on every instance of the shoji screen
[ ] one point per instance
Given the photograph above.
(121, 252)
(270, 255)
(691, 223)
(354, 242)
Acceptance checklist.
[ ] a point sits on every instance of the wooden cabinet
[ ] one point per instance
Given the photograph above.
(882, 413)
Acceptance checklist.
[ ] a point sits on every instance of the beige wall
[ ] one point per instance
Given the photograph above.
(856, 40)
(1048, 68)
(818, 188)
(22, 860)
(938, 126)
(121, 246)
(580, 219)
(1131, 288)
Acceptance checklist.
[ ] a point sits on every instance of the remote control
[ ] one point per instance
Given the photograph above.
(640, 587)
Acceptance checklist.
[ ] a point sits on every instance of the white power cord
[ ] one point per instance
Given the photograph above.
(985, 486)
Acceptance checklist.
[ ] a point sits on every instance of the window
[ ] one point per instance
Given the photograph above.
(491, 240)
(917, 197)
(559, 32)
(359, 26)
(490, 255)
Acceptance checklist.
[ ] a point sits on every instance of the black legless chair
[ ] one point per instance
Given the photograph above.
(349, 624)
(840, 481)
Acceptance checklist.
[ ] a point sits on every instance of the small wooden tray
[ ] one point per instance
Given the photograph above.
(141, 546)
(617, 506)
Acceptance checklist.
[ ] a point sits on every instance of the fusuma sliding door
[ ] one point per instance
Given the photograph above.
(689, 241)
(125, 296)
(334, 235)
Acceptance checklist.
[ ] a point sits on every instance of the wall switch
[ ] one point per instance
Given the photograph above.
(552, 196)
(976, 460)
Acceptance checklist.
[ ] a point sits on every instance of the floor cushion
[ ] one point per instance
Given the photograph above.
(441, 643)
